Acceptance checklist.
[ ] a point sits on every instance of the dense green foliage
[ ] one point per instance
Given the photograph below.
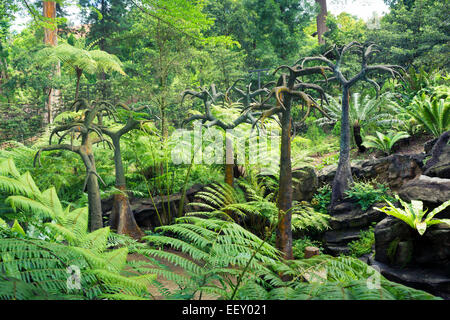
(129, 63)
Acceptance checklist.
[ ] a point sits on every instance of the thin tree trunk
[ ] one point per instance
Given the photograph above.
(122, 218)
(95, 203)
(229, 162)
(79, 72)
(284, 230)
(50, 38)
(321, 20)
(358, 138)
(343, 175)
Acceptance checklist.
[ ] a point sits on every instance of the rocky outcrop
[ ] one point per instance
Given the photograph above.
(439, 163)
(146, 210)
(399, 245)
(394, 170)
(304, 183)
(434, 281)
(404, 256)
(427, 189)
(347, 221)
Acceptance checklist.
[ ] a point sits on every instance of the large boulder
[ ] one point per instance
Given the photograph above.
(305, 183)
(439, 163)
(434, 281)
(393, 170)
(404, 256)
(428, 189)
(399, 245)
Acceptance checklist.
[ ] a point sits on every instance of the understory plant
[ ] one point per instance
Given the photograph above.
(39, 262)
(384, 142)
(364, 244)
(414, 214)
(322, 198)
(432, 113)
(254, 207)
(223, 260)
(367, 193)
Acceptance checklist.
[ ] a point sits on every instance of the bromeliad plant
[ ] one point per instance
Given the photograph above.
(384, 142)
(414, 215)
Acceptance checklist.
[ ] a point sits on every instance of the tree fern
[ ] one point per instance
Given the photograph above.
(254, 206)
(44, 264)
(218, 251)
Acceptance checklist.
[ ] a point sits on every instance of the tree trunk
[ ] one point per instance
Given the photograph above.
(122, 218)
(77, 91)
(229, 162)
(321, 20)
(284, 230)
(50, 38)
(343, 175)
(358, 138)
(94, 199)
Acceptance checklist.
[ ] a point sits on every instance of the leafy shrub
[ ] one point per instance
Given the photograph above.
(432, 113)
(322, 199)
(253, 208)
(364, 244)
(366, 194)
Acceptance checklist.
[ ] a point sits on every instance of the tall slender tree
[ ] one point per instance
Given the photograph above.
(321, 20)
(51, 39)
(209, 97)
(343, 177)
(288, 88)
(84, 130)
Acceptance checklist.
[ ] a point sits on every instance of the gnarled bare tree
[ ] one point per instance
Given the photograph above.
(122, 218)
(288, 88)
(211, 96)
(82, 129)
(343, 177)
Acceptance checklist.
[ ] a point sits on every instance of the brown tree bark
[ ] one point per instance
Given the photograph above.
(284, 230)
(321, 20)
(50, 38)
(357, 136)
(122, 218)
(229, 162)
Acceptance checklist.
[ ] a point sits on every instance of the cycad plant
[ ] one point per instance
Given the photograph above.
(82, 58)
(384, 142)
(432, 114)
(365, 112)
(414, 215)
